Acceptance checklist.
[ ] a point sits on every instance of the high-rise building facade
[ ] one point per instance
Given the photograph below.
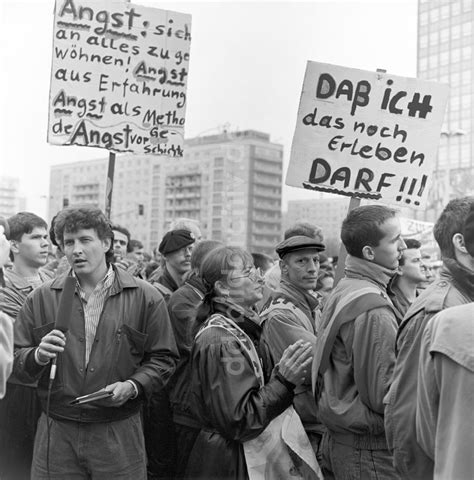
(239, 176)
(445, 44)
(10, 201)
(231, 183)
(85, 183)
(326, 212)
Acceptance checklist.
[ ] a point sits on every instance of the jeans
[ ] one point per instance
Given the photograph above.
(349, 462)
(19, 414)
(90, 450)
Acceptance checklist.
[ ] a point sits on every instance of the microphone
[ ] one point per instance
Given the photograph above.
(63, 315)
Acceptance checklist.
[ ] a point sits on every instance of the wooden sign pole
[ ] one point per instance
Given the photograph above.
(110, 185)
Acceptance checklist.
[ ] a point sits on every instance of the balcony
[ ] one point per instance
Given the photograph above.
(268, 167)
(266, 193)
(265, 218)
(272, 231)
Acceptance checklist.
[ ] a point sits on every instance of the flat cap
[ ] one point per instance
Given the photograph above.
(174, 240)
(469, 232)
(299, 242)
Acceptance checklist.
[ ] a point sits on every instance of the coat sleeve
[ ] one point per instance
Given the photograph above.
(228, 395)
(374, 355)
(161, 353)
(282, 329)
(427, 399)
(10, 301)
(28, 334)
(6, 350)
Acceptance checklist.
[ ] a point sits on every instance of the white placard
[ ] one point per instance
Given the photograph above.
(366, 134)
(118, 78)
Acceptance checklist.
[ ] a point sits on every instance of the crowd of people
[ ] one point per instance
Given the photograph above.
(201, 360)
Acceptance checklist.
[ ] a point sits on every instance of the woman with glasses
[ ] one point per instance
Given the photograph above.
(237, 395)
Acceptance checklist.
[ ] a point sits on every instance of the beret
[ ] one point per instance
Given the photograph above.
(469, 232)
(174, 240)
(299, 242)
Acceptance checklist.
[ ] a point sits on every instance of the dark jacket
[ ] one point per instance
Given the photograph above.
(183, 306)
(165, 284)
(409, 459)
(134, 340)
(12, 298)
(229, 402)
(288, 317)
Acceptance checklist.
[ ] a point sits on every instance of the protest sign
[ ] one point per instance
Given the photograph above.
(118, 78)
(366, 134)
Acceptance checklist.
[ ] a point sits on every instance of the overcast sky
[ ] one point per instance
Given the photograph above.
(247, 66)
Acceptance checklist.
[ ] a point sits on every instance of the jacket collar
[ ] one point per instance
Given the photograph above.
(363, 269)
(248, 320)
(167, 280)
(122, 280)
(20, 283)
(462, 277)
(301, 298)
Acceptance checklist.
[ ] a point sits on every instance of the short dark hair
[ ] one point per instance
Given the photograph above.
(450, 222)
(135, 244)
(72, 219)
(306, 229)
(361, 227)
(201, 249)
(411, 243)
(119, 228)
(261, 260)
(24, 222)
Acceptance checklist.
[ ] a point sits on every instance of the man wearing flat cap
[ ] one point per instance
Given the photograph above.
(291, 314)
(160, 439)
(175, 248)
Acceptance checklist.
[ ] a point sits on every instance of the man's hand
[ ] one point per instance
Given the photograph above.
(51, 344)
(123, 391)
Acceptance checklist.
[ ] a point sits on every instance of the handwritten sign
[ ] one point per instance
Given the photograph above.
(366, 134)
(118, 78)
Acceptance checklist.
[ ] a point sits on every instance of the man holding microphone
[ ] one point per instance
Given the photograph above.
(118, 339)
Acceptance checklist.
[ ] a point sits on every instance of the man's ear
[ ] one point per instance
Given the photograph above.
(283, 267)
(368, 253)
(458, 243)
(14, 248)
(107, 243)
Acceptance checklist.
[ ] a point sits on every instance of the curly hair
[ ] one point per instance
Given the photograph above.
(72, 219)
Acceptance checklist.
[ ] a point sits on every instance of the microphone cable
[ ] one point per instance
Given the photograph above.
(63, 317)
(52, 374)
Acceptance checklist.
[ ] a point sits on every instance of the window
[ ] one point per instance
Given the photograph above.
(455, 7)
(444, 35)
(466, 29)
(433, 61)
(423, 18)
(434, 15)
(434, 39)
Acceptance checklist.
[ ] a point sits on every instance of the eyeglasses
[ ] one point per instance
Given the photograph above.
(253, 274)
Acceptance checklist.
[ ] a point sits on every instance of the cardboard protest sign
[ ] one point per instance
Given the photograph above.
(118, 78)
(366, 134)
